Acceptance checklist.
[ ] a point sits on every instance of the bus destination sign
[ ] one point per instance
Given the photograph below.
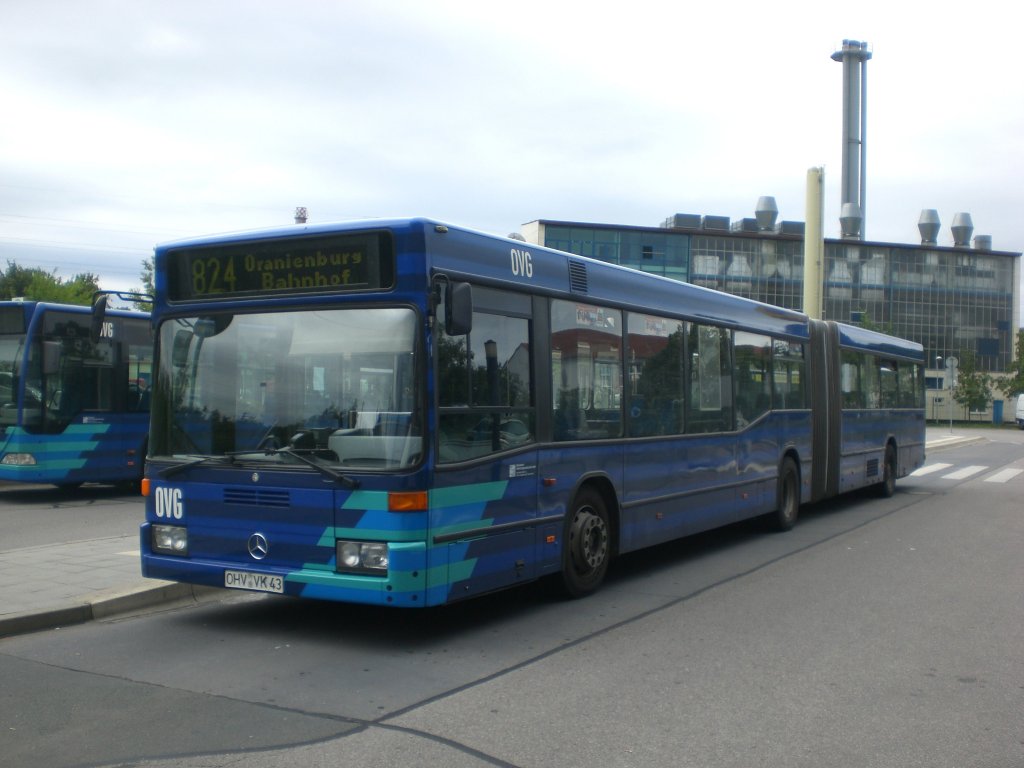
(335, 263)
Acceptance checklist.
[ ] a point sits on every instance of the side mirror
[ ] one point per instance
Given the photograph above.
(458, 309)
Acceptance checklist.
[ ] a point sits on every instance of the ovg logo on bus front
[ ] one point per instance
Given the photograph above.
(168, 502)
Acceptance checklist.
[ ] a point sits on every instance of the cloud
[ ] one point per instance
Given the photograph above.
(173, 119)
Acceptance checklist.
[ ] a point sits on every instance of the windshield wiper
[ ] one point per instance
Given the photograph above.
(312, 461)
(176, 468)
(231, 456)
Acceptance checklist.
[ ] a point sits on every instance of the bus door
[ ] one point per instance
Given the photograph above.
(80, 398)
(483, 516)
(483, 505)
(135, 375)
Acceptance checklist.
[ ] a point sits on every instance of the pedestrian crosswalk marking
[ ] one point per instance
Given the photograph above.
(1001, 476)
(965, 472)
(929, 468)
(1005, 476)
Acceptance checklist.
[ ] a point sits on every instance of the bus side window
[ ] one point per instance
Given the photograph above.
(484, 380)
(851, 380)
(586, 368)
(889, 384)
(753, 376)
(788, 367)
(709, 407)
(655, 375)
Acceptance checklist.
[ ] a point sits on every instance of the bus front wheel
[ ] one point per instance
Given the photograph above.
(586, 544)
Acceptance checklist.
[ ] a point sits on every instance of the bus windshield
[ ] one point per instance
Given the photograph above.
(338, 385)
(10, 353)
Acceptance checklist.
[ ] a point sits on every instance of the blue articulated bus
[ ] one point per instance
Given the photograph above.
(74, 400)
(407, 413)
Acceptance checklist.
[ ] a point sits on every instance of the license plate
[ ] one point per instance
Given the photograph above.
(259, 582)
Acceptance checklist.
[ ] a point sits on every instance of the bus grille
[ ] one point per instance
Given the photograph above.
(257, 497)
(872, 470)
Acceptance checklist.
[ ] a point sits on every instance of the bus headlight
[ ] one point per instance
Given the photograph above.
(368, 557)
(170, 539)
(19, 460)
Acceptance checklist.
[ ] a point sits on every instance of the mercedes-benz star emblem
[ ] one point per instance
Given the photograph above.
(258, 546)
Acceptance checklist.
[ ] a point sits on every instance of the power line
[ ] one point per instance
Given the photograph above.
(33, 243)
(80, 224)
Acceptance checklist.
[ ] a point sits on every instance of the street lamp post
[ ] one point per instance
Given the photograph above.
(951, 366)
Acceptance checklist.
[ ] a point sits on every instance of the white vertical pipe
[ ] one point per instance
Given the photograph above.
(814, 244)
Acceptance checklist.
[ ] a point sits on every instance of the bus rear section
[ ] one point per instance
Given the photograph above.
(869, 416)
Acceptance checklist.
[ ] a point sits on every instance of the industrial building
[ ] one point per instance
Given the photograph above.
(951, 299)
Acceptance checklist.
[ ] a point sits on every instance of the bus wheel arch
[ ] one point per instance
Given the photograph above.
(787, 494)
(887, 486)
(589, 538)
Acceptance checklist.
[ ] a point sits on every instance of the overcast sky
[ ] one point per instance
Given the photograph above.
(125, 124)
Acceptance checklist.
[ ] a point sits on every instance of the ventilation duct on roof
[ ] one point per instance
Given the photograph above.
(766, 213)
(928, 225)
(851, 220)
(962, 229)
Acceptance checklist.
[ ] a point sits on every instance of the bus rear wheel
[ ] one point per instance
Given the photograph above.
(787, 496)
(586, 544)
(887, 487)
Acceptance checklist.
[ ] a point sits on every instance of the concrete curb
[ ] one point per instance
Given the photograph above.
(104, 605)
(953, 441)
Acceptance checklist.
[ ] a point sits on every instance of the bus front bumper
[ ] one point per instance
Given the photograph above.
(398, 588)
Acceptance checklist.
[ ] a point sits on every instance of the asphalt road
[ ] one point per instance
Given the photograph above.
(41, 514)
(879, 632)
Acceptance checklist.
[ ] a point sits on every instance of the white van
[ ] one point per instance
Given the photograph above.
(1019, 415)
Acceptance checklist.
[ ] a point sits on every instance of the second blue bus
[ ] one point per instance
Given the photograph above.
(74, 403)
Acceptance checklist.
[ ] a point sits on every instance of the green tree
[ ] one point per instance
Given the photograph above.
(34, 284)
(871, 325)
(148, 287)
(973, 387)
(1013, 384)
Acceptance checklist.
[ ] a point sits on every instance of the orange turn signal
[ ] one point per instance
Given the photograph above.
(407, 501)
(144, 486)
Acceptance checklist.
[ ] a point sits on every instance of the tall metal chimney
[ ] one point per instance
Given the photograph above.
(854, 56)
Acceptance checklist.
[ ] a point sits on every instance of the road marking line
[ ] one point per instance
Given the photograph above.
(1005, 476)
(966, 472)
(929, 468)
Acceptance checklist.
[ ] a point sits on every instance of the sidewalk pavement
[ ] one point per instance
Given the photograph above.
(56, 585)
